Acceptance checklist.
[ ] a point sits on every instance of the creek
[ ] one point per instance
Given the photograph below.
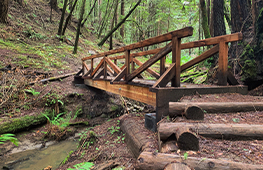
(36, 159)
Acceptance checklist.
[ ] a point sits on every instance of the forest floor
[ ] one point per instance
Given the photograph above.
(28, 43)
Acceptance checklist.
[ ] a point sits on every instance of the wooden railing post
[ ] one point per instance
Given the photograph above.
(127, 63)
(162, 65)
(176, 58)
(105, 68)
(222, 63)
(91, 65)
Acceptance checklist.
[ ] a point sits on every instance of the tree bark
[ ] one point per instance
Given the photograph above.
(62, 18)
(79, 25)
(190, 111)
(82, 24)
(148, 160)
(219, 23)
(69, 17)
(137, 137)
(118, 25)
(177, 166)
(122, 14)
(226, 131)
(3, 11)
(205, 25)
(179, 108)
(186, 140)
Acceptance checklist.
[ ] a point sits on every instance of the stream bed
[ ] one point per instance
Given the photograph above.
(37, 159)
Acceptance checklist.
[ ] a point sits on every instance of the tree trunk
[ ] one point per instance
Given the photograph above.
(112, 23)
(177, 166)
(178, 108)
(205, 25)
(118, 25)
(220, 131)
(3, 11)
(137, 137)
(186, 140)
(158, 161)
(122, 14)
(79, 25)
(82, 24)
(69, 17)
(219, 23)
(62, 17)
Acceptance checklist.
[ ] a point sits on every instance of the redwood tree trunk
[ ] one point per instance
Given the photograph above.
(219, 23)
(3, 11)
(122, 14)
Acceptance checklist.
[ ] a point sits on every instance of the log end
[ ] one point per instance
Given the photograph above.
(194, 113)
(188, 141)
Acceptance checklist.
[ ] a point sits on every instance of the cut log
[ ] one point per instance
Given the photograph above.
(148, 160)
(186, 140)
(190, 112)
(226, 131)
(169, 146)
(177, 166)
(137, 138)
(176, 108)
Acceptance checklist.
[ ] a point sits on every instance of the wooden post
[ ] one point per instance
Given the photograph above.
(91, 65)
(176, 58)
(222, 63)
(105, 68)
(162, 65)
(132, 63)
(127, 62)
(115, 62)
(83, 68)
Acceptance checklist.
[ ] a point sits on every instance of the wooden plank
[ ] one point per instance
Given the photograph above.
(222, 63)
(138, 93)
(91, 65)
(166, 77)
(127, 63)
(86, 66)
(97, 68)
(154, 51)
(176, 58)
(153, 73)
(212, 41)
(99, 74)
(150, 62)
(110, 71)
(119, 76)
(105, 68)
(162, 65)
(113, 66)
(184, 32)
(200, 58)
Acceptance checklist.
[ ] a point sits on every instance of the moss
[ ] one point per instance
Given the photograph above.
(114, 108)
(18, 124)
(249, 70)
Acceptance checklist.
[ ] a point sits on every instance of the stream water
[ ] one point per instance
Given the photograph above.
(38, 159)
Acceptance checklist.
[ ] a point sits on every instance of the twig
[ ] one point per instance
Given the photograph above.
(125, 104)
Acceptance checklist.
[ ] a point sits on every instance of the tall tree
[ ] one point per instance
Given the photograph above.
(122, 14)
(82, 10)
(53, 5)
(118, 25)
(205, 25)
(219, 22)
(69, 17)
(3, 11)
(62, 17)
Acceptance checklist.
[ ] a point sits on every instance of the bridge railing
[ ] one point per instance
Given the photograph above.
(125, 74)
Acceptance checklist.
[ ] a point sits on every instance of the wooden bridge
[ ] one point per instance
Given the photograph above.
(122, 74)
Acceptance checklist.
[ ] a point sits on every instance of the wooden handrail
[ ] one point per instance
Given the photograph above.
(194, 44)
(184, 32)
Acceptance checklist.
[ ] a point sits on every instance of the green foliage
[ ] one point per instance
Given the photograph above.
(55, 120)
(82, 166)
(185, 155)
(30, 33)
(8, 137)
(66, 159)
(113, 129)
(32, 91)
